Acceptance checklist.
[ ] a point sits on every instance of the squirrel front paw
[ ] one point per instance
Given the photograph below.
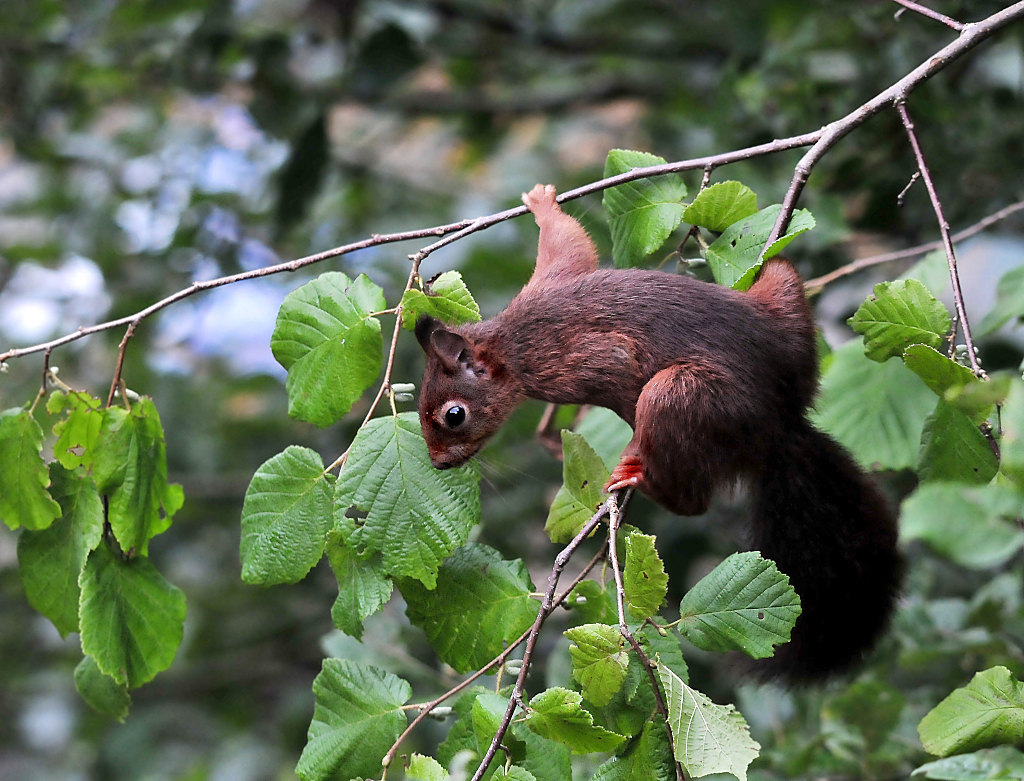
(541, 199)
(627, 474)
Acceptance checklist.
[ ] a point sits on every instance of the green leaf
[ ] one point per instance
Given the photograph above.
(79, 432)
(977, 398)
(285, 518)
(642, 213)
(664, 649)
(1003, 763)
(646, 759)
(363, 588)
(422, 768)
(937, 371)
(130, 466)
(745, 603)
(131, 618)
(582, 492)
(987, 712)
(390, 500)
(709, 738)
(875, 410)
(735, 256)
(1011, 444)
(557, 714)
(480, 604)
(606, 433)
(446, 297)
(487, 713)
(599, 660)
(593, 603)
(972, 526)
(954, 449)
(644, 580)
(898, 315)
(23, 476)
(51, 560)
(720, 205)
(103, 693)
(357, 717)
(514, 773)
(1009, 302)
(329, 344)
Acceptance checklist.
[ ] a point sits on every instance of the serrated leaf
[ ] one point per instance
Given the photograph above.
(954, 449)
(898, 315)
(972, 526)
(329, 344)
(23, 475)
(411, 513)
(544, 759)
(103, 693)
(357, 717)
(606, 433)
(480, 604)
(720, 205)
(745, 603)
(735, 256)
(287, 512)
(664, 649)
(447, 298)
(487, 713)
(131, 618)
(363, 588)
(977, 398)
(986, 712)
(642, 213)
(709, 738)
(644, 580)
(647, 759)
(1009, 302)
(79, 432)
(51, 560)
(582, 491)
(557, 714)
(130, 466)
(514, 773)
(599, 660)
(875, 410)
(944, 377)
(423, 768)
(1003, 763)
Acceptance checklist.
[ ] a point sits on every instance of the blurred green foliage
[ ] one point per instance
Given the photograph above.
(146, 143)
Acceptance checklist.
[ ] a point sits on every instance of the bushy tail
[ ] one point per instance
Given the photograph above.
(827, 527)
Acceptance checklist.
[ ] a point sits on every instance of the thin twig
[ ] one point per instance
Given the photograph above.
(947, 242)
(500, 659)
(903, 193)
(830, 135)
(649, 666)
(546, 607)
(122, 348)
(812, 286)
(912, 6)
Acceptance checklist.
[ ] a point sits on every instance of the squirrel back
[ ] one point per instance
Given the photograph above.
(716, 385)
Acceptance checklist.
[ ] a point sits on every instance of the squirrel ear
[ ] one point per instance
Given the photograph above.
(425, 326)
(452, 350)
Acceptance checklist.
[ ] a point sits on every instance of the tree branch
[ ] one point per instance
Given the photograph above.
(910, 5)
(958, 296)
(812, 286)
(547, 606)
(970, 36)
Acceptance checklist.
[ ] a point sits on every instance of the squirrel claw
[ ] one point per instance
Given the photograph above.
(542, 197)
(627, 474)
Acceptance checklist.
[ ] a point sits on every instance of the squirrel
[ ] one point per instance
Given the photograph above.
(716, 385)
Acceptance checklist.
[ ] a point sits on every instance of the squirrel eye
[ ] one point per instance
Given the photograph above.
(454, 416)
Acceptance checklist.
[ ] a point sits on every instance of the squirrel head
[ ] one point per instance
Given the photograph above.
(465, 395)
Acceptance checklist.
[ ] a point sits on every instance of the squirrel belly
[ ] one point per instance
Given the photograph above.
(716, 385)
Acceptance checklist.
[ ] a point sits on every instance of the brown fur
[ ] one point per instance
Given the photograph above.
(715, 384)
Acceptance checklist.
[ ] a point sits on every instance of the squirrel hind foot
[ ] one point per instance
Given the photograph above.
(541, 198)
(627, 474)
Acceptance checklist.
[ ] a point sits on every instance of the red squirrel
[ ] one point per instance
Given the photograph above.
(716, 385)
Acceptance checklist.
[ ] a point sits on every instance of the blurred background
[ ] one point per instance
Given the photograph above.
(145, 144)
